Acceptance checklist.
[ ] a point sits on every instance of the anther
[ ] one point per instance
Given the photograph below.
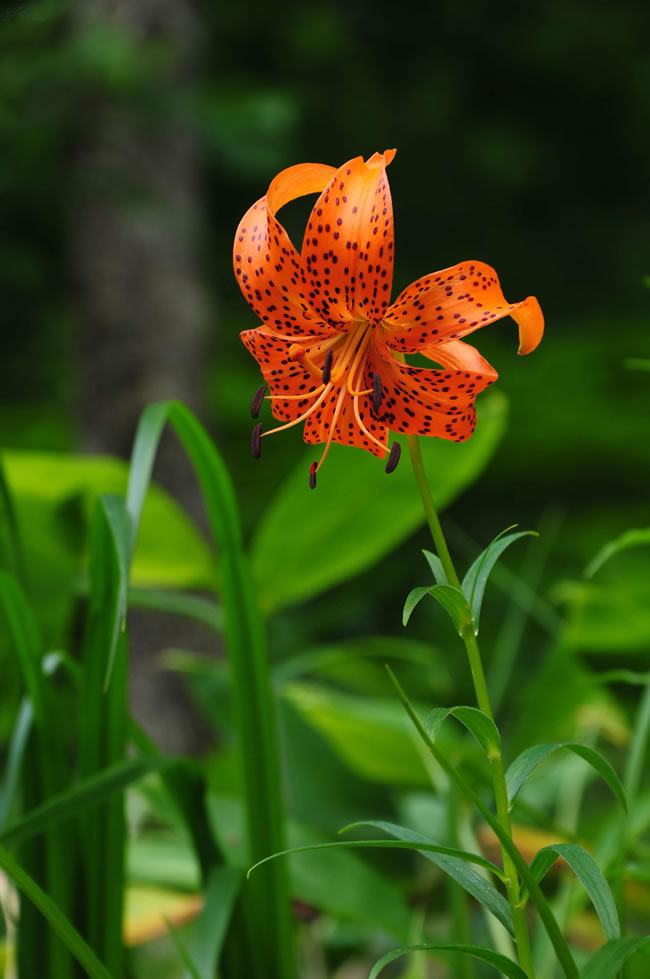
(312, 475)
(376, 392)
(256, 403)
(393, 456)
(256, 441)
(327, 366)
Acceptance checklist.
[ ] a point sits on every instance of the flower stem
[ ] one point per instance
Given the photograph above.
(522, 937)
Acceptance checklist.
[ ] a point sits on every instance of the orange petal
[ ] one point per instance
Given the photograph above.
(347, 251)
(421, 401)
(452, 303)
(267, 266)
(284, 376)
(459, 356)
(347, 430)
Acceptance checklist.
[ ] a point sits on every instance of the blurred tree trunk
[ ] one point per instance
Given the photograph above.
(134, 246)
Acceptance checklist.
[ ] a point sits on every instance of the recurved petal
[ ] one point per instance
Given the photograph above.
(452, 303)
(267, 266)
(293, 387)
(459, 356)
(347, 252)
(422, 401)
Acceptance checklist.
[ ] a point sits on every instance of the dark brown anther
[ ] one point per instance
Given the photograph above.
(327, 366)
(256, 441)
(256, 403)
(312, 475)
(376, 392)
(393, 456)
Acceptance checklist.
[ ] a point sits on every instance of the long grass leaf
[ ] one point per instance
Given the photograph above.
(58, 921)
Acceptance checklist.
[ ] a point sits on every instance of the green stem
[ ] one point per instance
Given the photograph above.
(522, 937)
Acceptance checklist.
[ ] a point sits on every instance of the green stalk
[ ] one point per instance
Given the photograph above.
(562, 950)
(522, 938)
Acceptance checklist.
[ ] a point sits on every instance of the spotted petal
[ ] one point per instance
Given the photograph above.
(347, 251)
(267, 265)
(293, 387)
(421, 401)
(453, 303)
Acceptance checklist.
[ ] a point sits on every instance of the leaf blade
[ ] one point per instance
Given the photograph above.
(528, 760)
(500, 962)
(474, 582)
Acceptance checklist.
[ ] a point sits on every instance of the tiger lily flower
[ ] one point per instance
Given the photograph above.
(332, 347)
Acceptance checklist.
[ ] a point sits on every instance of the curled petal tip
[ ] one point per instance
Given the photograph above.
(530, 320)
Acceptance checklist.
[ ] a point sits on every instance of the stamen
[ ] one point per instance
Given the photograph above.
(256, 403)
(298, 352)
(256, 441)
(312, 475)
(327, 366)
(302, 417)
(363, 428)
(377, 392)
(393, 457)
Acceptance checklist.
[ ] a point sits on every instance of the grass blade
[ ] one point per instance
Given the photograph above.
(527, 761)
(211, 926)
(266, 901)
(589, 874)
(57, 920)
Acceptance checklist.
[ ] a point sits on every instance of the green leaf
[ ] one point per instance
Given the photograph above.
(211, 926)
(631, 538)
(269, 952)
(455, 867)
(357, 514)
(605, 963)
(89, 793)
(437, 569)
(559, 943)
(452, 600)
(474, 582)
(528, 760)
(477, 723)
(372, 737)
(590, 875)
(69, 935)
(420, 846)
(192, 971)
(502, 964)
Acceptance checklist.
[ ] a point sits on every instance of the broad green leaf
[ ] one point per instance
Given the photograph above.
(455, 867)
(436, 567)
(371, 736)
(502, 964)
(590, 875)
(477, 723)
(88, 794)
(44, 484)
(631, 538)
(528, 760)
(309, 541)
(450, 598)
(68, 934)
(605, 963)
(211, 926)
(474, 582)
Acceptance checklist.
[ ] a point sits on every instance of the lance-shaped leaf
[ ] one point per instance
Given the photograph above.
(452, 600)
(528, 760)
(589, 874)
(436, 567)
(605, 963)
(500, 962)
(455, 867)
(631, 538)
(474, 582)
(477, 723)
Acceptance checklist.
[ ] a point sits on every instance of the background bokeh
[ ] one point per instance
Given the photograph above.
(135, 133)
